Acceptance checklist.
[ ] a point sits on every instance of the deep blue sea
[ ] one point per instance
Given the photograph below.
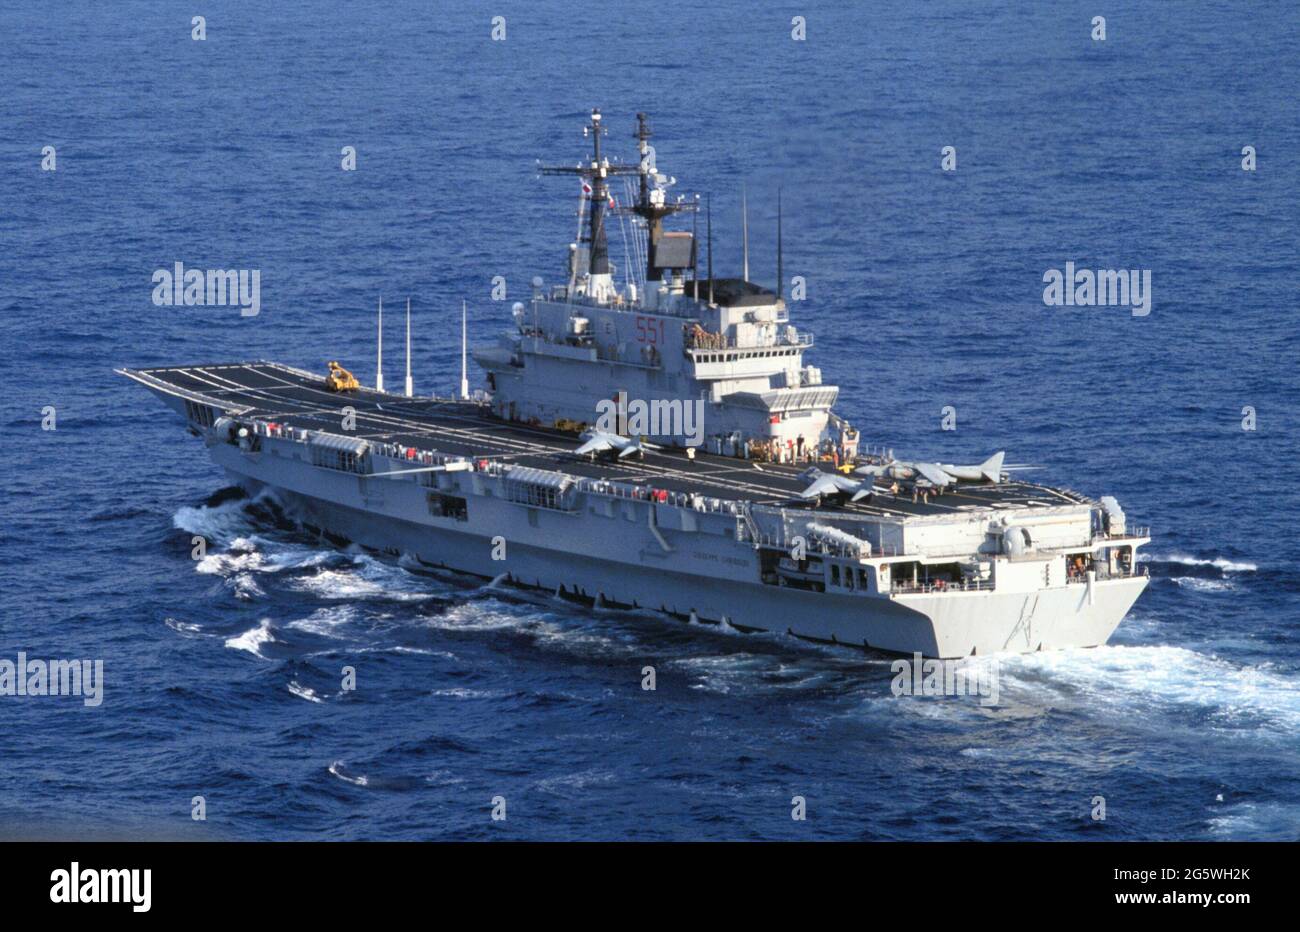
(924, 290)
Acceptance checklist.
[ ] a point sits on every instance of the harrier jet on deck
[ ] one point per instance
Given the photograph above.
(600, 441)
(938, 475)
(909, 474)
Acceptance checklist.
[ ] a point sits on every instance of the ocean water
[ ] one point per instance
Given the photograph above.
(924, 291)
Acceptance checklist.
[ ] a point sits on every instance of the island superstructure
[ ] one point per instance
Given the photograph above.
(740, 497)
(667, 336)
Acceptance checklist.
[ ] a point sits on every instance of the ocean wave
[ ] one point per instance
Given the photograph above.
(1220, 563)
(336, 769)
(463, 693)
(186, 628)
(234, 525)
(582, 636)
(222, 523)
(443, 778)
(223, 564)
(1230, 696)
(420, 651)
(488, 615)
(365, 578)
(244, 586)
(1268, 821)
(1201, 584)
(325, 622)
(727, 673)
(254, 639)
(253, 554)
(304, 692)
(566, 784)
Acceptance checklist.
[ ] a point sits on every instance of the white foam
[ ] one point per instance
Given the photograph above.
(187, 628)
(367, 578)
(1118, 680)
(223, 524)
(1202, 585)
(228, 525)
(567, 783)
(1248, 821)
(403, 649)
(1228, 566)
(720, 627)
(483, 616)
(576, 635)
(336, 768)
(253, 639)
(244, 586)
(304, 692)
(289, 557)
(723, 673)
(462, 693)
(443, 778)
(325, 622)
(223, 564)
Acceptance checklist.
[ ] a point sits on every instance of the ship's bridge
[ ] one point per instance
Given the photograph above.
(737, 354)
(743, 332)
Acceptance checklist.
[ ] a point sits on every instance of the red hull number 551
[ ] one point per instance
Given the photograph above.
(649, 329)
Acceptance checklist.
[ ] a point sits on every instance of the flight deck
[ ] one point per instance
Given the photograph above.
(280, 394)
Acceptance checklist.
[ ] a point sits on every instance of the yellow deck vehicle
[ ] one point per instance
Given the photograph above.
(340, 379)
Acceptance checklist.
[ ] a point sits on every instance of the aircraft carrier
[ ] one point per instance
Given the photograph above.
(764, 514)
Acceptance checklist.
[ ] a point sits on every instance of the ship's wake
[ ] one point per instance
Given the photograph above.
(1156, 686)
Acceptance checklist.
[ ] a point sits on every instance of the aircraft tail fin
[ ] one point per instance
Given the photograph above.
(991, 468)
(864, 491)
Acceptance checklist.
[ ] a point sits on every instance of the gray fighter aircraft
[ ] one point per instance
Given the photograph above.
(833, 483)
(907, 473)
(936, 475)
(602, 441)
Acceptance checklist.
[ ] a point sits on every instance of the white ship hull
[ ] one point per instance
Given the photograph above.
(632, 571)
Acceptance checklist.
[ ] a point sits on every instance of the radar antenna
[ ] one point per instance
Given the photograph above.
(595, 187)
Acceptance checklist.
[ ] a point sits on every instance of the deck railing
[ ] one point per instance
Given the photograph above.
(978, 585)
